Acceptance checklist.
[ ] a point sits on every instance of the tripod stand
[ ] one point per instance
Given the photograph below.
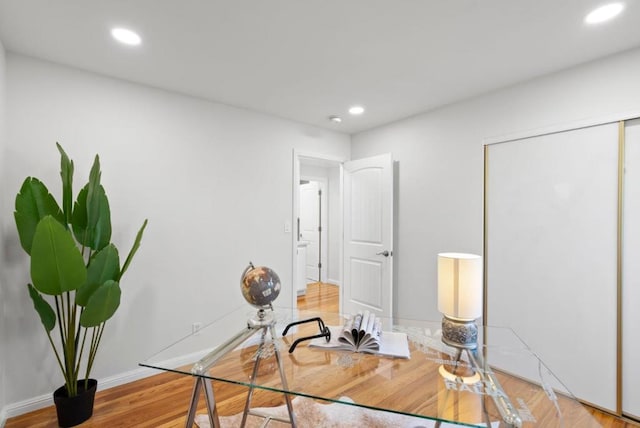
(489, 385)
(264, 323)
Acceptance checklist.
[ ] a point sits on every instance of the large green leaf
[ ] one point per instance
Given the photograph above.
(104, 265)
(101, 225)
(66, 173)
(134, 249)
(102, 304)
(56, 263)
(33, 203)
(79, 217)
(94, 233)
(98, 214)
(93, 207)
(47, 315)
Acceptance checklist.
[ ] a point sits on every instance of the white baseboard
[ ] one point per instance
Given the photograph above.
(46, 400)
(333, 282)
(29, 405)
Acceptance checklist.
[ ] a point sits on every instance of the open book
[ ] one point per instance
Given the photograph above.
(363, 333)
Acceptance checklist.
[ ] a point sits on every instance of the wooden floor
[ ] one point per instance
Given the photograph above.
(162, 400)
(320, 297)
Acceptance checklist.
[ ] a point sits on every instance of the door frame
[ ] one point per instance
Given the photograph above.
(328, 160)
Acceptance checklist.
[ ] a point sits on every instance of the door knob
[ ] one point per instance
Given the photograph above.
(384, 253)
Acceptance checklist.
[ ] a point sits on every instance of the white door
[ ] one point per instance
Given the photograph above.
(368, 235)
(309, 224)
(551, 245)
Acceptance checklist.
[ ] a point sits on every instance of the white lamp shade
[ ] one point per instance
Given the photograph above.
(460, 285)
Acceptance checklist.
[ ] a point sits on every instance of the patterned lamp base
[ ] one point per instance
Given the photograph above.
(460, 333)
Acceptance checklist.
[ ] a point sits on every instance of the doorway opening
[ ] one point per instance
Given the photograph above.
(317, 197)
(313, 227)
(359, 231)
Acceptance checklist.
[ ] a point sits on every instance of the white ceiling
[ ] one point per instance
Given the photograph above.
(308, 59)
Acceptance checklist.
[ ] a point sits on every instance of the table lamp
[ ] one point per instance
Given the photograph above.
(460, 298)
(460, 301)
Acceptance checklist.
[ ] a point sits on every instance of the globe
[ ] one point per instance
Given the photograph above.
(260, 285)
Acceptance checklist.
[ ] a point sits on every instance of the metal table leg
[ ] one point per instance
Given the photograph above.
(265, 325)
(283, 378)
(203, 383)
(200, 384)
(247, 408)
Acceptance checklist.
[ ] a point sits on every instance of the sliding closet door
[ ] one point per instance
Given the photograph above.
(631, 273)
(551, 246)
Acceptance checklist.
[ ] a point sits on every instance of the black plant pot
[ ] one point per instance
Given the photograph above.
(73, 411)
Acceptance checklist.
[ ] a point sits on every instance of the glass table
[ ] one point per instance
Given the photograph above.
(500, 384)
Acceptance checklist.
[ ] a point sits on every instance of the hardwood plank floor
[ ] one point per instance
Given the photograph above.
(320, 297)
(162, 400)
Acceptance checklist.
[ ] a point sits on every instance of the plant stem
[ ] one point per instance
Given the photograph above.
(71, 346)
(61, 319)
(76, 339)
(55, 351)
(84, 337)
(95, 343)
(62, 329)
(92, 350)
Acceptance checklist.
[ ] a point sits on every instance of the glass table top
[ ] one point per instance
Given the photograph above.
(501, 383)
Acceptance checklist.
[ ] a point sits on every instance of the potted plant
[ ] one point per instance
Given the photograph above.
(76, 275)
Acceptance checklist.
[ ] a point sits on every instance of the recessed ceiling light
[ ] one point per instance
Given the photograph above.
(604, 13)
(356, 110)
(125, 36)
(336, 119)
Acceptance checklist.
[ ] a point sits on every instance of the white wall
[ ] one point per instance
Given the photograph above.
(3, 211)
(440, 161)
(214, 181)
